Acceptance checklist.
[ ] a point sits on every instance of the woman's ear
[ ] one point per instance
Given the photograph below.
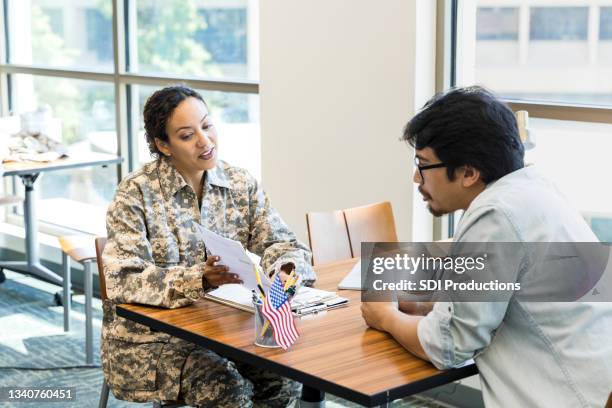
(163, 147)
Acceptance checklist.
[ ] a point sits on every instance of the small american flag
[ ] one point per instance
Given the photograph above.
(277, 310)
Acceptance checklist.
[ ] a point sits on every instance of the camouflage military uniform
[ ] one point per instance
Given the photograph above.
(152, 258)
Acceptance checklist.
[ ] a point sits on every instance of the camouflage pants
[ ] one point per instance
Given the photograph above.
(210, 380)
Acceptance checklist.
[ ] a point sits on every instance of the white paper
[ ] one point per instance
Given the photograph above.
(352, 281)
(240, 297)
(233, 256)
(233, 295)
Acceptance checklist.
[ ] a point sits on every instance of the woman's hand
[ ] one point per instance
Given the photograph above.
(217, 275)
(285, 271)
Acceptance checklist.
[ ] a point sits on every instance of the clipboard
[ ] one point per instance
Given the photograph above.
(306, 301)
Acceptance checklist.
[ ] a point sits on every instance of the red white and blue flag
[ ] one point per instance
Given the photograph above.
(277, 310)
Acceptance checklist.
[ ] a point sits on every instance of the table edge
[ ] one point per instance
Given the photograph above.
(101, 162)
(379, 398)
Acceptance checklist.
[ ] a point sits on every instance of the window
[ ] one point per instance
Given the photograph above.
(56, 20)
(61, 34)
(224, 35)
(99, 43)
(497, 30)
(497, 23)
(193, 39)
(559, 23)
(555, 156)
(605, 23)
(538, 51)
(553, 59)
(61, 57)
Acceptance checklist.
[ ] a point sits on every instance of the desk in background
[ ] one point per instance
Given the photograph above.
(336, 352)
(29, 172)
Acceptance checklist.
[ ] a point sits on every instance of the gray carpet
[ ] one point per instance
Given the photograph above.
(32, 336)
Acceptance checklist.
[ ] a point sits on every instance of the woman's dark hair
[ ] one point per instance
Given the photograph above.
(159, 108)
(469, 126)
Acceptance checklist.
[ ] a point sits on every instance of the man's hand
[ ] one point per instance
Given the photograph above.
(217, 275)
(386, 317)
(378, 314)
(416, 308)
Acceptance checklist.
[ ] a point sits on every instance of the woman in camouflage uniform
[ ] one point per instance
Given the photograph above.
(152, 257)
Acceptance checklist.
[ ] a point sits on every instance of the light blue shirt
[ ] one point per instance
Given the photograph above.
(529, 354)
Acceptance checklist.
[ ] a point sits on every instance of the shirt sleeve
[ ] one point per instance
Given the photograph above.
(129, 268)
(454, 332)
(271, 239)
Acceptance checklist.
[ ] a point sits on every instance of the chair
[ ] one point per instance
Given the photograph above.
(338, 235)
(370, 223)
(328, 237)
(100, 243)
(78, 248)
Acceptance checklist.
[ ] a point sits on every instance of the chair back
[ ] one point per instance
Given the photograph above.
(328, 237)
(338, 235)
(370, 223)
(100, 243)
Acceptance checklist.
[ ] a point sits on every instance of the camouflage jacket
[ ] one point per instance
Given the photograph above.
(152, 256)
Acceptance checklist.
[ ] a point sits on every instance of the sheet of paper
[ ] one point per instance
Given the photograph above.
(233, 295)
(233, 256)
(352, 281)
(306, 296)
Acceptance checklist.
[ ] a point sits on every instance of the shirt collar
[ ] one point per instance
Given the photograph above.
(520, 175)
(217, 176)
(172, 181)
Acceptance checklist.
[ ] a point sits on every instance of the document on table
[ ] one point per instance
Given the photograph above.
(232, 255)
(307, 300)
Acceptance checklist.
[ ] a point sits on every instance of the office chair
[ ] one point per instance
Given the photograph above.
(337, 235)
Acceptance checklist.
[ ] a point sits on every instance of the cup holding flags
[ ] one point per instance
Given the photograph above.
(277, 309)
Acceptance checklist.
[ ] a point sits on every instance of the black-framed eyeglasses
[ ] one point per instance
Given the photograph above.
(426, 167)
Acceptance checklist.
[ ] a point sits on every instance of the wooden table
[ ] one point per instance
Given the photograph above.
(336, 351)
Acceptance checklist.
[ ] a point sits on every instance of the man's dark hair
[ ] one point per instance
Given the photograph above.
(159, 108)
(469, 126)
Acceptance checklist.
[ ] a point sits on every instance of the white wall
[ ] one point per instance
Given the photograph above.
(339, 80)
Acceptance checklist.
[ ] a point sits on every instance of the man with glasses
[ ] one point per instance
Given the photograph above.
(469, 157)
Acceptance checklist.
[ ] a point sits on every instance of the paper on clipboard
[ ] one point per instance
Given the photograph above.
(233, 256)
(307, 300)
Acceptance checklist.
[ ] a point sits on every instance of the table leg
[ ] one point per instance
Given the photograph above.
(88, 313)
(32, 264)
(66, 290)
(312, 398)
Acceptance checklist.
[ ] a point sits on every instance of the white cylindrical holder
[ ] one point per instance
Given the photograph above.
(263, 338)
